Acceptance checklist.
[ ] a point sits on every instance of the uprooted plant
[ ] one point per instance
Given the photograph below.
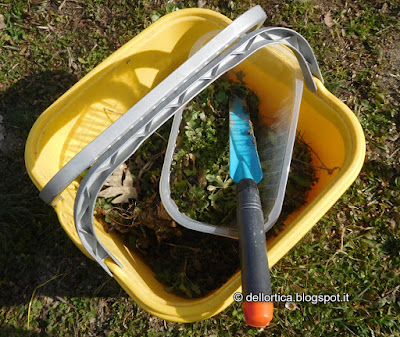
(190, 263)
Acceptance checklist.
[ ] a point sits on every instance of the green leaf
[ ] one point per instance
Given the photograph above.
(302, 181)
(154, 17)
(221, 97)
(211, 178)
(170, 7)
(203, 204)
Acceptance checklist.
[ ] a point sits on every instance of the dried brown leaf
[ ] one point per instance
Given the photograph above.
(201, 3)
(120, 186)
(328, 19)
(162, 213)
(2, 23)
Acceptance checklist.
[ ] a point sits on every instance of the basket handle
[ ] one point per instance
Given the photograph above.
(250, 20)
(141, 129)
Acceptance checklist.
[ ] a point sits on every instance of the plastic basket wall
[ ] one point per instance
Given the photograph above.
(119, 82)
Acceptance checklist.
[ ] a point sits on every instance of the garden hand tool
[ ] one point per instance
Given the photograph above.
(119, 141)
(245, 170)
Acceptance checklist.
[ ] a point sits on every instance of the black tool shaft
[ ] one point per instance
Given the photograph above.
(253, 248)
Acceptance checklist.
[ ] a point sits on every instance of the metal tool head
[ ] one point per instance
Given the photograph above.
(243, 157)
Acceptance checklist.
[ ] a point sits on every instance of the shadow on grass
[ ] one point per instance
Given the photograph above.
(33, 246)
(6, 331)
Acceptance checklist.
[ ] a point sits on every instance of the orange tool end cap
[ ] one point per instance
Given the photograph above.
(258, 314)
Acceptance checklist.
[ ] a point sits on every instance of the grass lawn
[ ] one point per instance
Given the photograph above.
(48, 45)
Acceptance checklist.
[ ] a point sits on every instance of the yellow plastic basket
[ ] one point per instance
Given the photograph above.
(115, 85)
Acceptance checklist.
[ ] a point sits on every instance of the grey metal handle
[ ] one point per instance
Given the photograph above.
(141, 129)
(142, 110)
